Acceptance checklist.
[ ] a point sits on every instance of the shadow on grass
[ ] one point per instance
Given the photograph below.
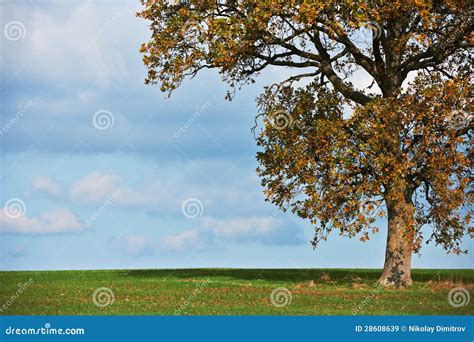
(340, 276)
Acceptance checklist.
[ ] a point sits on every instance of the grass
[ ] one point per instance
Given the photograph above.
(230, 292)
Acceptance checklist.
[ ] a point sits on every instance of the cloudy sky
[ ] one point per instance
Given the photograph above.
(99, 170)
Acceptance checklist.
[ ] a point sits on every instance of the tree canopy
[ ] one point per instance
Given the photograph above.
(334, 152)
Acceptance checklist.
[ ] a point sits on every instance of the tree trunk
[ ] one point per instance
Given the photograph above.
(397, 267)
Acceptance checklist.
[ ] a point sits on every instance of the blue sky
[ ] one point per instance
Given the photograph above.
(99, 170)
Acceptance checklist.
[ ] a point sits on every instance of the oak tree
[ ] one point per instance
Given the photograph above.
(337, 153)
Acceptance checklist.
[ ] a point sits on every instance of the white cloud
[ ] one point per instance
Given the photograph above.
(98, 187)
(187, 240)
(58, 220)
(263, 230)
(268, 230)
(239, 227)
(135, 245)
(83, 41)
(47, 185)
(95, 187)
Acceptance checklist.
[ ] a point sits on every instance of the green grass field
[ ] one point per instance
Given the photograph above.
(230, 292)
